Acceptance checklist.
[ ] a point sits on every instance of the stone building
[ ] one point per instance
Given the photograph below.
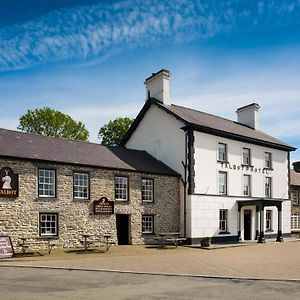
(48, 188)
(295, 198)
(236, 176)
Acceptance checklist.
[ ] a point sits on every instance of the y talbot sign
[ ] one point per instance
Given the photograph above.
(103, 207)
(9, 183)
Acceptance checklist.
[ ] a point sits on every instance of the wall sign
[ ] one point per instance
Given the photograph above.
(9, 183)
(103, 207)
(6, 248)
(230, 166)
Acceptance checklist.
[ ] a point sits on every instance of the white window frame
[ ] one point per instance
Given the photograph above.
(147, 224)
(295, 222)
(223, 220)
(221, 174)
(269, 219)
(268, 160)
(246, 185)
(147, 190)
(268, 187)
(295, 198)
(222, 155)
(46, 184)
(121, 188)
(81, 185)
(246, 156)
(48, 222)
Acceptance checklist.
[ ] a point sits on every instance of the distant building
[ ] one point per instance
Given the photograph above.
(236, 178)
(295, 198)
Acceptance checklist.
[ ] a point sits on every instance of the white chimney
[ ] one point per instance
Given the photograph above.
(248, 115)
(158, 86)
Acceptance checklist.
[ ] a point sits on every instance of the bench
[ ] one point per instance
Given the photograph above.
(176, 240)
(25, 245)
(170, 237)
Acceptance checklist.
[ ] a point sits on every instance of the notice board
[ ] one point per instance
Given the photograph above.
(6, 247)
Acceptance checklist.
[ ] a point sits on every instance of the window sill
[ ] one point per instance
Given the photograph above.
(46, 198)
(81, 199)
(224, 232)
(147, 202)
(148, 233)
(269, 230)
(222, 161)
(249, 166)
(48, 237)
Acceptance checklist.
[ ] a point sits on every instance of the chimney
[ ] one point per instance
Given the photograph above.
(248, 115)
(158, 86)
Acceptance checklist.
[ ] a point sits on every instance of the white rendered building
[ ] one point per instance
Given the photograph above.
(235, 177)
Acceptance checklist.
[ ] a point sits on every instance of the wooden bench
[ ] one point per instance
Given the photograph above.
(25, 245)
(170, 237)
(176, 240)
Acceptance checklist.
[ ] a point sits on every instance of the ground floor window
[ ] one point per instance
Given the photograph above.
(295, 222)
(48, 224)
(269, 220)
(147, 224)
(223, 220)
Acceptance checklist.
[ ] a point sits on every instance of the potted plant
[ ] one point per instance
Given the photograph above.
(205, 242)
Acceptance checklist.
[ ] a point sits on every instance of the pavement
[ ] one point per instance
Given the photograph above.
(275, 261)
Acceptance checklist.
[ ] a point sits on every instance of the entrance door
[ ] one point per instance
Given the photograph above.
(123, 229)
(247, 224)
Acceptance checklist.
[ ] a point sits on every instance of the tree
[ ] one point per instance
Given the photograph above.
(52, 123)
(112, 133)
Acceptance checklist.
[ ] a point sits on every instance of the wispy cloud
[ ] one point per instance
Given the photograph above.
(93, 32)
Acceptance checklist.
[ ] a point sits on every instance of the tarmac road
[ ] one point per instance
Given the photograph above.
(32, 283)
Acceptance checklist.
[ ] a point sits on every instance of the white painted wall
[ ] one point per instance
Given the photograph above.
(160, 135)
(207, 167)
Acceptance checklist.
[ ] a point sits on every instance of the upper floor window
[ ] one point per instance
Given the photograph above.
(81, 185)
(222, 183)
(269, 220)
(121, 188)
(247, 185)
(268, 160)
(246, 156)
(268, 187)
(47, 185)
(295, 222)
(295, 196)
(48, 224)
(222, 152)
(223, 220)
(147, 190)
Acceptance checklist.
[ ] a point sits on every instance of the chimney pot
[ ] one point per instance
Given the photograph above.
(249, 115)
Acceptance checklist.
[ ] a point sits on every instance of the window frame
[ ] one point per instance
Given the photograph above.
(127, 188)
(88, 185)
(270, 188)
(56, 222)
(225, 152)
(39, 184)
(296, 200)
(249, 158)
(269, 220)
(223, 222)
(226, 183)
(249, 187)
(295, 222)
(270, 161)
(152, 190)
(152, 223)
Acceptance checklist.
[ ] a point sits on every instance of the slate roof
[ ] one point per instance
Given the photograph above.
(212, 124)
(31, 146)
(295, 178)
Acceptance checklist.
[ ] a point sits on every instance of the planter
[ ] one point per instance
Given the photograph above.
(205, 242)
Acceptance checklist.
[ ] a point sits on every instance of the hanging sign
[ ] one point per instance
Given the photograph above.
(6, 248)
(103, 207)
(9, 183)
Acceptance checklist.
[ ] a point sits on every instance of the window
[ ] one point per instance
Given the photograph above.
(269, 220)
(81, 185)
(48, 224)
(295, 222)
(121, 188)
(246, 157)
(222, 183)
(222, 152)
(268, 187)
(268, 160)
(46, 180)
(147, 190)
(295, 197)
(223, 220)
(147, 224)
(247, 185)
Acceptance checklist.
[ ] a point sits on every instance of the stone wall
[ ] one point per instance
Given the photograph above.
(19, 217)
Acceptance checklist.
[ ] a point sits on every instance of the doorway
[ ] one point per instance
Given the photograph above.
(247, 224)
(123, 229)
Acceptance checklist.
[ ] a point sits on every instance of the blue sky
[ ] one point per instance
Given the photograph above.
(89, 58)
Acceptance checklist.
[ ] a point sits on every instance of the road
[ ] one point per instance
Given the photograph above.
(32, 283)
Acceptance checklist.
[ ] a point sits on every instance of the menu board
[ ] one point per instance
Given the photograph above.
(6, 248)
(103, 207)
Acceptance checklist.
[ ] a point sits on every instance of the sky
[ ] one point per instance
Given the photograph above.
(89, 58)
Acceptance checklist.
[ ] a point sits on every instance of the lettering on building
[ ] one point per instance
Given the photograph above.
(9, 183)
